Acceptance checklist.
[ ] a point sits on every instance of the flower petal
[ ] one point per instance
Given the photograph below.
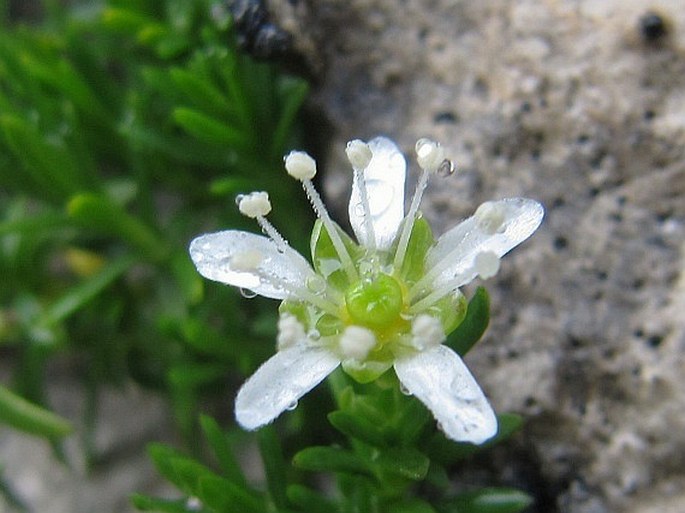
(384, 179)
(280, 382)
(441, 381)
(220, 257)
(455, 252)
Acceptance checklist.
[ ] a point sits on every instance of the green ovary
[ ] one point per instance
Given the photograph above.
(375, 303)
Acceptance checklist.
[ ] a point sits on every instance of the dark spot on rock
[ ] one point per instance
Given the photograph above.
(560, 243)
(558, 202)
(649, 115)
(602, 275)
(530, 402)
(639, 333)
(445, 117)
(654, 340)
(583, 138)
(526, 107)
(653, 26)
(638, 283)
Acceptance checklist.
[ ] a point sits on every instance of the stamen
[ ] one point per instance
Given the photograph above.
(302, 167)
(357, 342)
(256, 205)
(290, 332)
(359, 154)
(430, 157)
(426, 332)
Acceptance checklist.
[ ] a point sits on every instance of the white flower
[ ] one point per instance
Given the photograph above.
(386, 301)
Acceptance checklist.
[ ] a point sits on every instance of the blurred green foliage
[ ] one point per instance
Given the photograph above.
(126, 128)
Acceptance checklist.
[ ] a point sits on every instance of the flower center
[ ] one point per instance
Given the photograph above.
(375, 303)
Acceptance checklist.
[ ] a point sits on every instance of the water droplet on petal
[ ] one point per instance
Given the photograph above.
(316, 284)
(291, 406)
(239, 198)
(446, 168)
(405, 390)
(314, 335)
(247, 293)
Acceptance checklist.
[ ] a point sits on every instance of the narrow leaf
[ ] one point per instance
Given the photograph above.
(209, 129)
(492, 500)
(330, 459)
(30, 418)
(218, 441)
(274, 464)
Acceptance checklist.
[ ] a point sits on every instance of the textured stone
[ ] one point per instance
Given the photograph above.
(581, 105)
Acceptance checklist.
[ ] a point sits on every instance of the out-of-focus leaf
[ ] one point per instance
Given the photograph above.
(310, 501)
(274, 464)
(218, 441)
(491, 500)
(330, 459)
(209, 129)
(99, 213)
(357, 427)
(30, 418)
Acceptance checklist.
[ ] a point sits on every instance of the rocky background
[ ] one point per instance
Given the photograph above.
(581, 105)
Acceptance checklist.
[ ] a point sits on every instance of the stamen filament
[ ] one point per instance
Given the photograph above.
(301, 293)
(436, 295)
(322, 213)
(270, 230)
(409, 220)
(364, 198)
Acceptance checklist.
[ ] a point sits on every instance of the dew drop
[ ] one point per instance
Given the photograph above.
(291, 406)
(446, 168)
(405, 390)
(247, 293)
(316, 284)
(239, 198)
(314, 335)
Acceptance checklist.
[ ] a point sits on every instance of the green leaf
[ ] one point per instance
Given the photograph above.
(274, 464)
(80, 295)
(357, 427)
(405, 462)
(145, 503)
(492, 500)
(412, 506)
(218, 441)
(30, 418)
(49, 165)
(101, 214)
(474, 324)
(210, 130)
(224, 496)
(330, 459)
(200, 91)
(310, 501)
(293, 93)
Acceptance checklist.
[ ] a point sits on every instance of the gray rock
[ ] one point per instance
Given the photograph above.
(582, 106)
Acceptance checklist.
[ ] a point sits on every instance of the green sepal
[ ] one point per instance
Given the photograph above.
(325, 258)
(420, 241)
(331, 459)
(491, 500)
(366, 371)
(450, 310)
(475, 322)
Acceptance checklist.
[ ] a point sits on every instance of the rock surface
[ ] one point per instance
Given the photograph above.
(580, 104)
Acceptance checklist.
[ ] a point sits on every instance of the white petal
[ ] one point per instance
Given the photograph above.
(441, 381)
(384, 179)
(280, 382)
(213, 254)
(454, 254)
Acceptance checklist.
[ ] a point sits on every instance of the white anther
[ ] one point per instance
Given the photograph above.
(429, 154)
(486, 264)
(255, 204)
(426, 332)
(290, 331)
(358, 153)
(300, 165)
(491, 216)
(246, 261)
(356, 342)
